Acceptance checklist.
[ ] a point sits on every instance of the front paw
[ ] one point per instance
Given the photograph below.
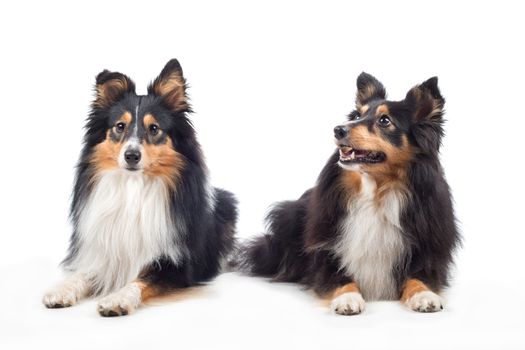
(60, 298)
(110, 307)
(351, 303)
(425, 301)
(120, 303)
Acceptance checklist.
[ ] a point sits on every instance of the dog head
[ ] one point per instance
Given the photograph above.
(383, 136)
(149, 134)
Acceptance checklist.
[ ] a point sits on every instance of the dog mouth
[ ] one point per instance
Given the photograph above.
(132, 167)
(348, 154)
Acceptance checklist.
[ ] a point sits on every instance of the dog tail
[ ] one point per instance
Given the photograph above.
(260, 256)
(277, 254)
(226, 215)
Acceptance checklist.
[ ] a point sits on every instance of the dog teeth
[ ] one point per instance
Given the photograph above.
(345, 156)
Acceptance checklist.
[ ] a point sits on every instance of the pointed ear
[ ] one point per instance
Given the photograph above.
(427, 104)
(171, 85)
(426, 101)
(110, 88)
(368, 88)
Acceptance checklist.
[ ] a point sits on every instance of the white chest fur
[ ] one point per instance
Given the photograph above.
(124, 225)
(371, 242)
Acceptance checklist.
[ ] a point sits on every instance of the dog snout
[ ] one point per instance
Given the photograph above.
(340, 132)
(132, 156)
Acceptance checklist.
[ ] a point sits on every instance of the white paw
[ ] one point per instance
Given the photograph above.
(120, 303)
(425, 301)
(60, 297)
(351, 303)
(68, 293)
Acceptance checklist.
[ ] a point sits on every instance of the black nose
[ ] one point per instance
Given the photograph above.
(340, 131)
(132, 156)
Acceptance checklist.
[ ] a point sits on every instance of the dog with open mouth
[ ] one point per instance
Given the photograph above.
(145, 219)
(379, 224)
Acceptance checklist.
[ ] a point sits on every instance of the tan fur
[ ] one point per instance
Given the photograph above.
(151, 294)
(424, 110)
(178, 295)
(436, 109)
(173, 90)
(365, 94)
(109, 92)
(126, 118)
(105, 154)
(347, 288)
(351, 181)
(382, 110)
(147, 290)
(411, 287)
(163, 161)
(390, 174)
(148, 120)
(159, 160)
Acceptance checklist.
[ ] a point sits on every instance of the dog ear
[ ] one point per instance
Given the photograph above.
(110, 88)
(368, 88)
(427, 104)
(426, 101)
(171, 86)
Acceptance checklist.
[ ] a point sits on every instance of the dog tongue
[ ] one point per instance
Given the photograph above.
(361, 153)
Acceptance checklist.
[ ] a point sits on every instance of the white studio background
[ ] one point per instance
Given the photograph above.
(269, 81)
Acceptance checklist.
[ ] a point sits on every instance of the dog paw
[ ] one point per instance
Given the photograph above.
(120, 303)
(425, 301)
(351, 303)
(59, 298)
(69, 292)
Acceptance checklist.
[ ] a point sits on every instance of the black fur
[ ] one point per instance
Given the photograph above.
(302, 233)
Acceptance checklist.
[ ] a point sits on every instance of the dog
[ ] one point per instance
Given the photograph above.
(145, 219)
(379, 224)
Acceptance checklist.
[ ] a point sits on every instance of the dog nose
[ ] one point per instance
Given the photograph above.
(340, 131)
(132, 156)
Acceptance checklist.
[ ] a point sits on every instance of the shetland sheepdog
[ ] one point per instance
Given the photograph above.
(379, 224)
(145, 219)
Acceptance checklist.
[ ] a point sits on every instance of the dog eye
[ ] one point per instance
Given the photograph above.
(120, 127)
(153, 129)
(384, 121)
(354, 116)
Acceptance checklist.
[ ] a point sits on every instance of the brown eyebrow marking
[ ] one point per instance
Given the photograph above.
(363, 109)
(126, 117)
(382, 109)
(149, 119)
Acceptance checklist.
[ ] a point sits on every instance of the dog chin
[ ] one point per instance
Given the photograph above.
(350, 166)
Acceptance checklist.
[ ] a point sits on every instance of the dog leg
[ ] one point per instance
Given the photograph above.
(347, 300)
(418, 297)
(69, 292)
(127, 299)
